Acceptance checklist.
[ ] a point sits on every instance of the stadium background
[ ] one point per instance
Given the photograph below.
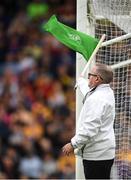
(37, 100)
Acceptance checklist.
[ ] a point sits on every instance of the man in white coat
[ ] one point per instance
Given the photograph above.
(94, 140)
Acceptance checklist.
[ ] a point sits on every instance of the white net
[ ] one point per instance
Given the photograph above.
(117, 11)
(113, 18)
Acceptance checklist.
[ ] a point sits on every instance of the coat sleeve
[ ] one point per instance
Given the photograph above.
(82, 84)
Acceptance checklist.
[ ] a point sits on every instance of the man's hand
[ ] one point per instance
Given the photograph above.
(67, 149)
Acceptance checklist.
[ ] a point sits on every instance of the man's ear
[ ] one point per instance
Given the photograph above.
(97, 78)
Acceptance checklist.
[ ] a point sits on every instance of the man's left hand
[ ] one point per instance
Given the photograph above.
(67, 149)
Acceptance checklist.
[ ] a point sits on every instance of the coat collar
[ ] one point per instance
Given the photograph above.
(93, 89)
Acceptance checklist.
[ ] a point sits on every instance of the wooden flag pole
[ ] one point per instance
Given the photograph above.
(93, 54)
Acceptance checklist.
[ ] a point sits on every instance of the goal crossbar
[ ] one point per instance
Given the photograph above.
(121, 64)
(115, 40)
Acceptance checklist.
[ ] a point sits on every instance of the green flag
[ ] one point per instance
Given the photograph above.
(70, 37)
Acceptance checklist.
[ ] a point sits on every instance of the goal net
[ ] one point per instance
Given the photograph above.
(113, 18)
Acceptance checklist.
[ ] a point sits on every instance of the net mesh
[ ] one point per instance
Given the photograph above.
(113, 18)
(117, 11)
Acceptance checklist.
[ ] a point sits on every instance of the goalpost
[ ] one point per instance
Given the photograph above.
(112, 18)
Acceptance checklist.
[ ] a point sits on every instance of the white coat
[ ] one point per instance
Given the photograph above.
(95, 139)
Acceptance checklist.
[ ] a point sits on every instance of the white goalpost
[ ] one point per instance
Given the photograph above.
(112, 18)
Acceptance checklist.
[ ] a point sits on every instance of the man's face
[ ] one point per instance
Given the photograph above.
(93, 77)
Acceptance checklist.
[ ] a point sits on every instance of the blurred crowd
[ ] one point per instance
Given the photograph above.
(37, 100)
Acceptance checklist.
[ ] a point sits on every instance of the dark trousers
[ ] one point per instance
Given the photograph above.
(97, 169)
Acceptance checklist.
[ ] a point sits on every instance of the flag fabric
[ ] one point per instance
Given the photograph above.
(76, 40)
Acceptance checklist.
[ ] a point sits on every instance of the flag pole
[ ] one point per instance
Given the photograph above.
(93, 54)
